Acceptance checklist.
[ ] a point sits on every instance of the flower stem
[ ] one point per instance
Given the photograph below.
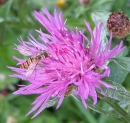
(115, 116)
(116, 107)
(98, 109)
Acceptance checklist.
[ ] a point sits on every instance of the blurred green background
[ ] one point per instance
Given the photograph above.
(16, 19)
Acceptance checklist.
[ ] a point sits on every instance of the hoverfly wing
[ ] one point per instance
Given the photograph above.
(24, 50)
(31, 69)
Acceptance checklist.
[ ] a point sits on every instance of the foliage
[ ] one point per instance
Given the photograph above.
(16, 19)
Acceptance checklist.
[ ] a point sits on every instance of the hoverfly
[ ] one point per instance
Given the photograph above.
(69, 89)
(32, 62)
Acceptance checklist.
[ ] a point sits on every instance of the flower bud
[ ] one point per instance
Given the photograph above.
(84, 2)
(118, 23)
(2, 2)
(61, 3)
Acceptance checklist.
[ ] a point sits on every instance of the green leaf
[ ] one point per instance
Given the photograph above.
(118, 92)
(128, 38)
(117, 71)
(51, 103)
(123, 53)
(100, 15)
(125, 105)
(123, 62)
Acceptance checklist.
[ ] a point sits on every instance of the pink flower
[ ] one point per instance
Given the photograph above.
(68, 67)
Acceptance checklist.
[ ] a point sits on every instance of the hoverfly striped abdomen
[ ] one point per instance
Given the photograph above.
(27, 63)
(34, 59)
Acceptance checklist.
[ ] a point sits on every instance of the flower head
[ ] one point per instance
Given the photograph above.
(61, 65)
